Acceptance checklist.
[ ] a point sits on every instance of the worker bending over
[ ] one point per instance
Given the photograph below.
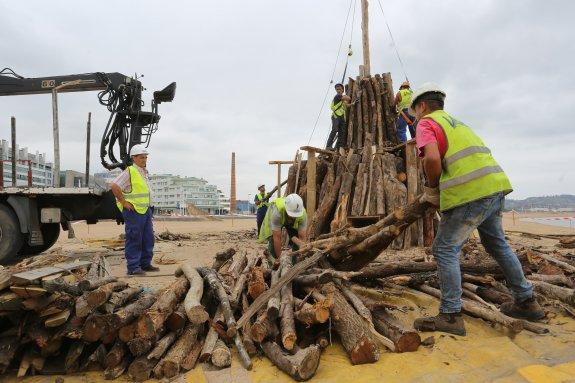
(405, 119)
(469, 187)
(132, 191)
(262, 206)
(338, 118)
(285, 212)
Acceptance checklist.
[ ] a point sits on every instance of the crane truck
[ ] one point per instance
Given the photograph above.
(31, 217)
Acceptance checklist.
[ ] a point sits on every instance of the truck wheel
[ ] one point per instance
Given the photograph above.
(50, 232)
(10, 236)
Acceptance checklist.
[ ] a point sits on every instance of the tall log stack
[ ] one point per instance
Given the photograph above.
(369, 178)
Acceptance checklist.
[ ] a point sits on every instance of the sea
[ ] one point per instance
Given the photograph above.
(553, 221)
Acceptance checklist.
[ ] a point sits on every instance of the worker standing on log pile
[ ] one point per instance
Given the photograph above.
(132, 191)
(405, 119)
(469, 187)
(285, 212)
(262, 205)
(338, 121)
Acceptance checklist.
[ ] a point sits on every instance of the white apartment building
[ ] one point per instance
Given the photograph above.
(41, 170)
(172, 194)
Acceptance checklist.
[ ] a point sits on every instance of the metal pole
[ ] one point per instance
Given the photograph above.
(13, 124)
(365, 37)
(88, 126)
(56, 131)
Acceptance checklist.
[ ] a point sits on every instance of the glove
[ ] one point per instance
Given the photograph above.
(430, 195)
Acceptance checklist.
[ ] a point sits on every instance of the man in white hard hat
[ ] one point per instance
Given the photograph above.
(262, 205)
(132, 191)
(469, 187)
(287, 212)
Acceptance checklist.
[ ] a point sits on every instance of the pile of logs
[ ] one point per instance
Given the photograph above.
(76, 317)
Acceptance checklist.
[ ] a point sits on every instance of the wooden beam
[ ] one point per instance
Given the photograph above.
(311, 184)
(412, 189)
(278, 162)
(318, 150)
(279, 180)
(30, 276)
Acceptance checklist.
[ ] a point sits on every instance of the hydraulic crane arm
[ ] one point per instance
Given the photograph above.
(127, 126)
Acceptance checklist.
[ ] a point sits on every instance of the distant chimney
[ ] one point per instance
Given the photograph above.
(233, 186)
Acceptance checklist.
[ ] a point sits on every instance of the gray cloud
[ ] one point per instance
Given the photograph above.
(251, 76)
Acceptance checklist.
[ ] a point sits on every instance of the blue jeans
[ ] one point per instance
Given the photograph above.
(401, 126)
(455, 227)
(139, 247)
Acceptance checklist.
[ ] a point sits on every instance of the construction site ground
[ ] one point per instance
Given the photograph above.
(486, 354)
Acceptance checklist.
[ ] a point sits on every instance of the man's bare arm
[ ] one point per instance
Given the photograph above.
(117, 191)
(432, 164)
(277, 239)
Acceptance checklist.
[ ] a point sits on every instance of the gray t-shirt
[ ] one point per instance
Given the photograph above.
(276, 219)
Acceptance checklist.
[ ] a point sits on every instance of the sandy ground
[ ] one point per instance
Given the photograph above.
(486, 354)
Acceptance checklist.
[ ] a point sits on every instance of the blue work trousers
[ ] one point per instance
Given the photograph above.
(139, 247)
(261, 214)
(401, 126)
(455, 227)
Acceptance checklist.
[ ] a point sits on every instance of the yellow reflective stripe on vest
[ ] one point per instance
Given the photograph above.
(469, 177)
(338, 109)
(465, 153)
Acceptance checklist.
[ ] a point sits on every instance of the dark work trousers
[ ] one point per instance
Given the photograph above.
(261, 214)
(139, 239)
(337, 127)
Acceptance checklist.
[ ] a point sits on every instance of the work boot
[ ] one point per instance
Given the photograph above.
(451, 323)
(138, 272)
(150, 268)
(528, 309)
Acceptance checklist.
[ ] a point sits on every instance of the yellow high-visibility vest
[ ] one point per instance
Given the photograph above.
(279, 203)
(140, 194)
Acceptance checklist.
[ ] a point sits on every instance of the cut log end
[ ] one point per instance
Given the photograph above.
(365, 351)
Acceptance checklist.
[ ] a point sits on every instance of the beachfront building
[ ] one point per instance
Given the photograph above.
(172, 194)
(26, 163)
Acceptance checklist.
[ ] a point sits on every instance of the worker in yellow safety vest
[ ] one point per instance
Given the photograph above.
(468, 186)
(404, 119)
(338, 121)
(132, 191)
(288, 213)
(261, 203)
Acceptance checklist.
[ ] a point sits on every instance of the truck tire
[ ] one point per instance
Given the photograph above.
(10, 235)
(50, 232)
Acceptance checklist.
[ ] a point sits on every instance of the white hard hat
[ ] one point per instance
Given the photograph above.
(138, 149)
(261, 186)
(294, 205)
(428, 87)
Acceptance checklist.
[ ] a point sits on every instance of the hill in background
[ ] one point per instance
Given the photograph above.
(563, 202)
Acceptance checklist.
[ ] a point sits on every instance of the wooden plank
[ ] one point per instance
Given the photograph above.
(28, 291)
(57, 319)
(318, 150)
(279, 180)
(412, 234)
(311, 184)
(30, 276)
(290, 162)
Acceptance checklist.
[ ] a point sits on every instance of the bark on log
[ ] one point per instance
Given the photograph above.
(99, 296)
(488, 294)
(273, 309)
(170, 364)
(317, 313)
(221, 355)
(247, 329)
(241, 280)
(111, 373)
(222, 257)
(59, 285)
(263, 328)
(404, 339)
(190, 360)
(354, 332)
(115, 355)
(8, 348)
(120, 298)
(480, 311)
(162, 345)
(92, 284)
(71, 363)
(153, 318)
(563, 294)
(141, 368)
(559, 279)
(98, 325)
(211, 277)
(301, 366)
(256, 282)
(287, 324)
(321, 218)
(211, 338)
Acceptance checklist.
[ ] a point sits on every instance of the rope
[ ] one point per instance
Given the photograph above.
(332, 73)
(393, 40)
(349, 51)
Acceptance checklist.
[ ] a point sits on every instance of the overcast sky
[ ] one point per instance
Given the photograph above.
(251, 77)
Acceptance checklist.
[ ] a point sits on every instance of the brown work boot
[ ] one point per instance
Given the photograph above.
(451, 323)
(528, 309)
